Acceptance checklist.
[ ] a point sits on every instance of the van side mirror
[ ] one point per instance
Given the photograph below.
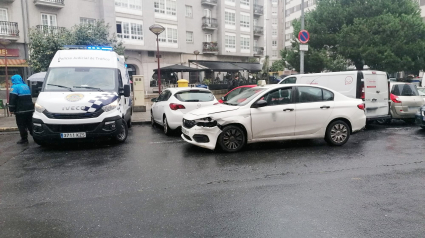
(260, 103)
(127, 90)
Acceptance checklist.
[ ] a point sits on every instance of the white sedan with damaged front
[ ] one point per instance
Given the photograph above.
(274, 113)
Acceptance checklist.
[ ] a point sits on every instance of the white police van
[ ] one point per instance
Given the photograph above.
(85, 95)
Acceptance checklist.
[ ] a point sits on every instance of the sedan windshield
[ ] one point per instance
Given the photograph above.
(81, 79)
(245, 97)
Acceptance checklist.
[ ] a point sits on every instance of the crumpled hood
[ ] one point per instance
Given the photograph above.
(75, 102)
(17, 79)
(208, 111)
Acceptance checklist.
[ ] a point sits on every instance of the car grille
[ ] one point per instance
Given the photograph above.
(72, 128)
(72, 116)
(187, 137)
(188, 123)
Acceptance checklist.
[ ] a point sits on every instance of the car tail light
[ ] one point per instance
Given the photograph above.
(361, 106)
(175, 106)
(394, 98)
(362, 96)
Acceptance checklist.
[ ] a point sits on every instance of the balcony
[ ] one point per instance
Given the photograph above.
(258, 51)
(9, 30)
(209, 2)
(210, 47)
(50, 3)
(258, 30)
(50, 29)
(209, 23)
(258, 10)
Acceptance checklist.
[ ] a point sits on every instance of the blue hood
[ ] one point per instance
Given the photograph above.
(17, 79)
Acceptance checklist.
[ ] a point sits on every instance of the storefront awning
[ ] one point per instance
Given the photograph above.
(14, 63)
(178, 68)
(220, 66)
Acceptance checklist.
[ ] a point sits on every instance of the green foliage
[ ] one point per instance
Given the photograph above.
(278, 65)
(385, 35)
(44, 42)
(252, 60)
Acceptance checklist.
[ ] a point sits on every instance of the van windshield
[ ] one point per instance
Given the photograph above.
(81, 79)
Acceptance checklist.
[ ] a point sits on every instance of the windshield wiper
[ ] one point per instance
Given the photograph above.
(99, 89)
(231, 104)
(60, 86)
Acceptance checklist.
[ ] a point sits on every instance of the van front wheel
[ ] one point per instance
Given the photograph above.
(122, 135)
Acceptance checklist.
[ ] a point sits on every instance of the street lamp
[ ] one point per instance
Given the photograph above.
(5, 43)
(157, 29)
(196, 52)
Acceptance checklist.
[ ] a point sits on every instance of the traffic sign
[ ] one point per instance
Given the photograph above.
(303, 36)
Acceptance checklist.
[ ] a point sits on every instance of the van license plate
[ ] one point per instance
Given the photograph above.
(413, 109)
(73, 135)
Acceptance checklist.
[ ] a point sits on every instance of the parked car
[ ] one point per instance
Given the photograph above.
(275, 112)
(405, 101)
(168, 109)
(235, 92)
(421, 91)
(420, 117)
(371, 86)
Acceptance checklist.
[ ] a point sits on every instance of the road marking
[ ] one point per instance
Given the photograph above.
(165, 142)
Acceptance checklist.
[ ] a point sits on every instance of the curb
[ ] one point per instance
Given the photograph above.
(140, 122)
(8, 129)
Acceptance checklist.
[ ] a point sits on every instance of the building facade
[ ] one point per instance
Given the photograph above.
(218, 30)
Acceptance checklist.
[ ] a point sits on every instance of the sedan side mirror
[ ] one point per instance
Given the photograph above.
(223, 98)
(154, 99)
(260, 103)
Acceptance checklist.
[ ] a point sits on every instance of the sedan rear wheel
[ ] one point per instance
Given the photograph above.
(167, 129)
(337, 133)
(232, 139)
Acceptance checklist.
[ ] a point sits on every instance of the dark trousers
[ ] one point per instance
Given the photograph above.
(24, 122)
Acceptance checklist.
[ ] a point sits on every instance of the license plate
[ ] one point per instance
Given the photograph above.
(184, 131)
(413, 108)
(73, 135)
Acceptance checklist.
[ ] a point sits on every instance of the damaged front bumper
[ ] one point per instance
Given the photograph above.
(201, 133)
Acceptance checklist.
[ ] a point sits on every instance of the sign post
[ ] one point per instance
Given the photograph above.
(303, 38)
(302, 29)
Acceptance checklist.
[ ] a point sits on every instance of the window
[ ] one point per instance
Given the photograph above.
(230, 41)
(230, 2)
(288, 24)
(288, 36)
(131, 4)
(274, 10)
(255, 43)
(164, 96)
(208, 37)
(48, 20)
(404, 90)
(274, 21)
(232, 94)
(189, 36)
(245, 42)
(244, 2)
(274, 53)
(290, 80)
(422, 2)
(172, 35)
(244, 21)
(278, 97)
(274, 32)
(3, 14)
(311, 94)
(274, 43)
(194, 96)
(168, 7)
(274, 1)
(229, 18)
(131, 31)
(189, 11)
(87, 21)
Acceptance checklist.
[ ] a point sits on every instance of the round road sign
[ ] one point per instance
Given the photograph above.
(303, 36)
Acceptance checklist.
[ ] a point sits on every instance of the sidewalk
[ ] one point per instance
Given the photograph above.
(9, 123)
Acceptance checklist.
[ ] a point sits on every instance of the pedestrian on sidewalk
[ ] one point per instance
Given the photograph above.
(20, 104)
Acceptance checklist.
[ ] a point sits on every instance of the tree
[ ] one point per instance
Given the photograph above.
(278, 65)
(44, 42)
(385, 35)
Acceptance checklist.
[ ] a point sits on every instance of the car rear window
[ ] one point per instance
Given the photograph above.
(405, 90)
(194, 96)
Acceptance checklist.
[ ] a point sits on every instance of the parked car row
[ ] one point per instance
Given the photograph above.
(331, 106)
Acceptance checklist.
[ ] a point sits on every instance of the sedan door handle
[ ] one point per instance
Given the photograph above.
(325, 107)
(288, 109)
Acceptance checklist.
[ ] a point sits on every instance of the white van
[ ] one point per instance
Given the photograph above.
(371, 86)
(85, 95)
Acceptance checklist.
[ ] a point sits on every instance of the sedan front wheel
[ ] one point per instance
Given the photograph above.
(232, 139)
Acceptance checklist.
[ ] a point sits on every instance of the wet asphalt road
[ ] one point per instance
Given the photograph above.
(158, 186)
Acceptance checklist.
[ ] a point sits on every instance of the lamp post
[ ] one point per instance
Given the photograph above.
(5, 43)
(157, 29)
(196, 52)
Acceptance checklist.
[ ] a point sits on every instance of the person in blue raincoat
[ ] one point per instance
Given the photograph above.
(20, 104)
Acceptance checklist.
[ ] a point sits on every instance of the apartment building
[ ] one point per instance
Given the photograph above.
(275, 31)
(217, 30)
(292, 12)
